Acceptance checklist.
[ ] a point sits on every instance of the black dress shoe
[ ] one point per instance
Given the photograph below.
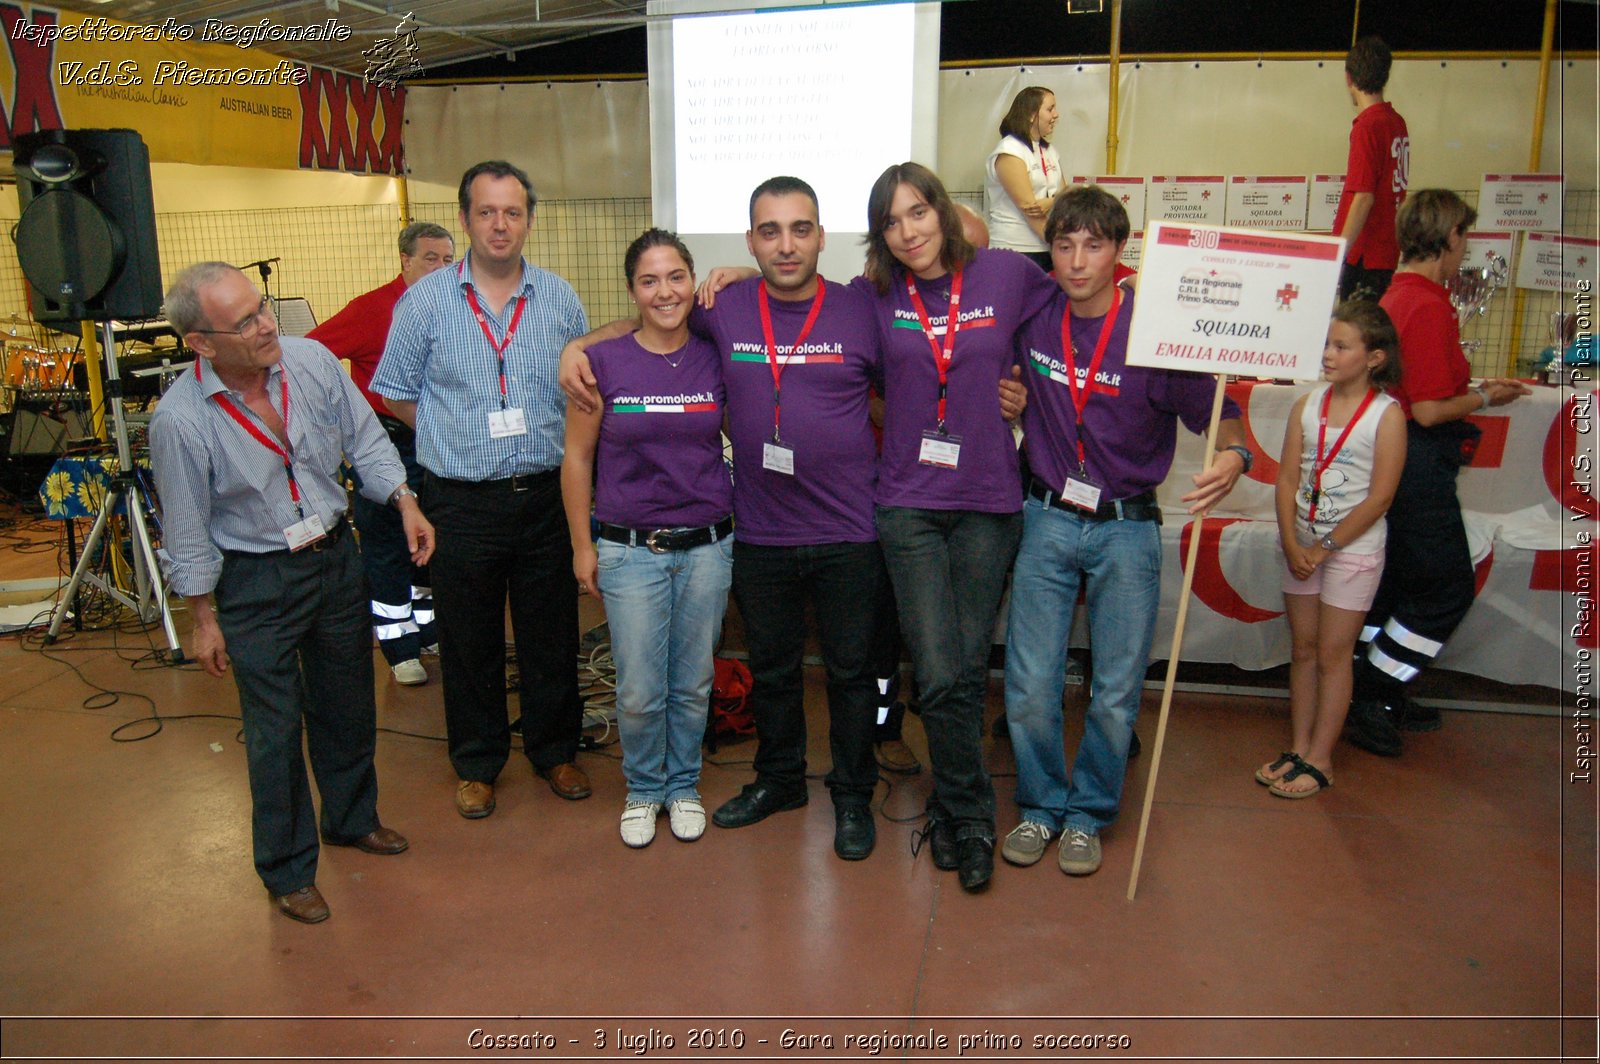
(755, 803)
(1371, 726)
(976, 862)
(1415, 718)
(854, 832)
(939, 837)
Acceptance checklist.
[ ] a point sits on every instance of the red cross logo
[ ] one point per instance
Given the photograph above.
(1205, 193)
(1287, 295)
(1287, 197)
(1583, 260)
(1544, 197)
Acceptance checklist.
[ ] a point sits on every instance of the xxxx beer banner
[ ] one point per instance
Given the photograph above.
(208, 94)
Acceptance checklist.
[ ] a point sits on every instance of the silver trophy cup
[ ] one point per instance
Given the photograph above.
(1471, 289)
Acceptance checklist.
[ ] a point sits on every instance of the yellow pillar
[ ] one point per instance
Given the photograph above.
(1519, 305)
(91, 371)
(1113, 75)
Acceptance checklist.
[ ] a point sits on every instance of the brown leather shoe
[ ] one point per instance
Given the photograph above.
(474, 799)
(568, 781)
(895, 756)
(305, 905)
(380, 840)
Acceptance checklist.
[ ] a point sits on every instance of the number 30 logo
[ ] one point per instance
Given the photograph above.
(1400, 152)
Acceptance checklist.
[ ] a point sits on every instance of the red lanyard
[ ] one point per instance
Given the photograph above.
(483, 323)
(261, 437)
(1323, 461)
(772, 345)
(941, 360)
(1080, 396)
(1044, 165)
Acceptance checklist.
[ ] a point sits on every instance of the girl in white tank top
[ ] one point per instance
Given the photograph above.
(1343, 451)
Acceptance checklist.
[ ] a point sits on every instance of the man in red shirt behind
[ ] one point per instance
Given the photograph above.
(402, 598)
(1375, 175)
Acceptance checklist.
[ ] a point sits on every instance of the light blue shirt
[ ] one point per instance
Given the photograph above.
(222, 489)
(438, 358)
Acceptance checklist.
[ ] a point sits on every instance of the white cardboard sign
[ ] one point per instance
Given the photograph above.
(1130, 192)
(1201, 200)
(1267, 202)
(1323, 206)
(1554, 263)
(1520, 201)
(1236, 301)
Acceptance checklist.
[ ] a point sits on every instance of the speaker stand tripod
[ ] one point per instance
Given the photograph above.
(150, 598)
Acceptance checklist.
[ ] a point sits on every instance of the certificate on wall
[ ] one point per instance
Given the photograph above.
(1239, 301)
(1555, 263)
(1201, 200)
(1481, 245)
(1133, 251)
(1322, 206)
(1130, 192)
(1277, 202)
(1520, 201)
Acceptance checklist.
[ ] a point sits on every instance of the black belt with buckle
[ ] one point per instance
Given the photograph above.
(329, 540)
(1141, 507)
(662, 540)
(519, 483)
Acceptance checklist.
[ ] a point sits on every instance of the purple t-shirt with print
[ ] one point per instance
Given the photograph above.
(822, 414)
(1130, 422)
(659, 460)
(1000, 291)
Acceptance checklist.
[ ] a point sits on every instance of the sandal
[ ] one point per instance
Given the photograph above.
(1302, 767)
(1263, 775)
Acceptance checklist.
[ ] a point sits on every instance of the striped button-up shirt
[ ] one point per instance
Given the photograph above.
(222, 489)
(438, 357)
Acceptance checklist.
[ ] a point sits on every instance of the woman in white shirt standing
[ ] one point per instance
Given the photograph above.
(1023, 175)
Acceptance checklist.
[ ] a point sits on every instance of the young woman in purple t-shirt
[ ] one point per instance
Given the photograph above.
(649, 461)
(949, 494)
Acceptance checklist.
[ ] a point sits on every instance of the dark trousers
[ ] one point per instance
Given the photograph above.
(1428, 582)
(493, 543)
(402, 623)
(296, 631)
(1357, 281)
(949, 571)
(843, 582)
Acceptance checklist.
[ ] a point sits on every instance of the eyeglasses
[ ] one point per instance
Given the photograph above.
(250, 327)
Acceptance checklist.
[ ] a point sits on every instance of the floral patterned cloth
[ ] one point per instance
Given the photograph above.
(76, 487)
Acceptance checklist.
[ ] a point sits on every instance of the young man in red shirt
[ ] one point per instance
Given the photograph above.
(1375, 176)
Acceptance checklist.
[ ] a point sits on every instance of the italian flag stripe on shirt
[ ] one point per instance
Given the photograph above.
(785, 360)
(938, 330)
(662, 408)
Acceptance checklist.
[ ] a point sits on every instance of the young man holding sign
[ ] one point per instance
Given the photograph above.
(1100, 437)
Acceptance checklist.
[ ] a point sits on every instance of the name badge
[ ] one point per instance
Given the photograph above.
(777, 458)
(302, 534)
(508, 422)
(939, 449)
(1079, 490)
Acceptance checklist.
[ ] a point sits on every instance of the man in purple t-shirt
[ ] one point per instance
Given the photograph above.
(1100, 436)
(798, 355)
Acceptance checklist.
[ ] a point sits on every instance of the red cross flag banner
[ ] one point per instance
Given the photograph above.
(1234, 301)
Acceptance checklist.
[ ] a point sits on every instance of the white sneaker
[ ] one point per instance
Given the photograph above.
(410, 672)
(639, 823)
(688, 818)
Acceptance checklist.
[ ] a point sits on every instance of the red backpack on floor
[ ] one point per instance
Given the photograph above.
(730, 717)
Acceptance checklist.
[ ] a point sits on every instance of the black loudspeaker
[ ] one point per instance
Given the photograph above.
(87, 238)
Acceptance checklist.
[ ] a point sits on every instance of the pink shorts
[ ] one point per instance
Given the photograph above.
(1346, 581)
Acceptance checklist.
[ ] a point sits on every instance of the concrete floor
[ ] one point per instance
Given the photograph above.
(1440, 905)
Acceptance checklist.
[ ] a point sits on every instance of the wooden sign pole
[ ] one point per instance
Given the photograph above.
(1177, 644)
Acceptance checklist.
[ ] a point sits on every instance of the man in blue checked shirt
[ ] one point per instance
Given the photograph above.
(246, 452)
(470, 363)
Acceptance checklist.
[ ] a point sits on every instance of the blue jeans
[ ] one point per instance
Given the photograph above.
(665, 615)
(845, 583)
(1120, 564)
(949, 568)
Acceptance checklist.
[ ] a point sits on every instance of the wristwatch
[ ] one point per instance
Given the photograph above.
(1243, 452)
(1327, 543)
(401, 492)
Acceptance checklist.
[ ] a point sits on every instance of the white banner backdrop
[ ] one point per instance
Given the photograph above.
(1528, 509)
(1467, 118)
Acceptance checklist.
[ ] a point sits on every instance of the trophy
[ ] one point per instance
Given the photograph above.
(1471, 289)
(1563, 331)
